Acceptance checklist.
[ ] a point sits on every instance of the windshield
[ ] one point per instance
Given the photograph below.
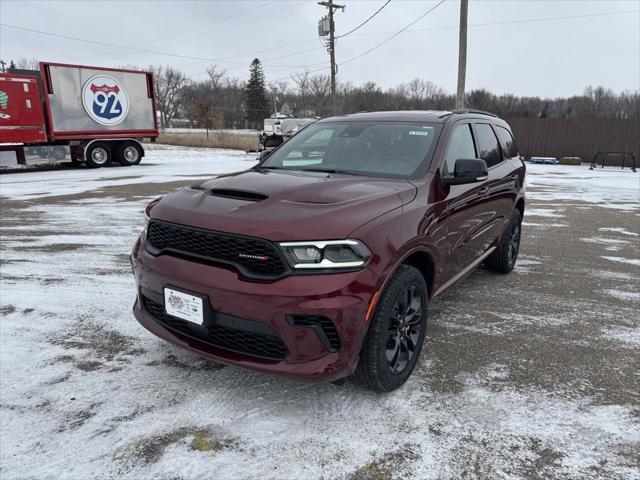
(388, 150)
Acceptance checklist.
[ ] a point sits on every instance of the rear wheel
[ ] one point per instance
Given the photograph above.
(396, 334)
(97, 155)
(129, 153)
(503, 259)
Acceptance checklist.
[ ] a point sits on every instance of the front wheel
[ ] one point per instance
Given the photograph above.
(503, 259)
(396, 334)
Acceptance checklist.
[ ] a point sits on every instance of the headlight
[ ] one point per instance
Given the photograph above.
(147, 214)
(149, 207)
(326, 254)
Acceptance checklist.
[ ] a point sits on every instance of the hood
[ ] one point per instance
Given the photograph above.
(284, 205)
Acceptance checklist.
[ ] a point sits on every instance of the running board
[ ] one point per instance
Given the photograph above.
(464, 272)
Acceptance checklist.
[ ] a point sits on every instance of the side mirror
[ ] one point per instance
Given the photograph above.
(467, 170)
(264, 154)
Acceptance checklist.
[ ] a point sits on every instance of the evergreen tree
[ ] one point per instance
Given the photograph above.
(257, 104)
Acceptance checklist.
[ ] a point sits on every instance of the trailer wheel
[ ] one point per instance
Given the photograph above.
(97, 155)
(129, 153)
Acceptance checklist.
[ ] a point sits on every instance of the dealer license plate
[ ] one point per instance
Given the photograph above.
(183, 305)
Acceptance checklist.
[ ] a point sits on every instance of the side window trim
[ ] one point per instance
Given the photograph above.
(497, 140)
(503, 150)
(513, 140)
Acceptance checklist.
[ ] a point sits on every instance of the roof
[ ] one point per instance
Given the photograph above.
(432, 116)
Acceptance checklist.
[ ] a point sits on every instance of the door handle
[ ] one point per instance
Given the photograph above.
(483, 191)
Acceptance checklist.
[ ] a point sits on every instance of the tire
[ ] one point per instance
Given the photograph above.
(97, 155)
(393, 331)
(129, 153)
(504, 258)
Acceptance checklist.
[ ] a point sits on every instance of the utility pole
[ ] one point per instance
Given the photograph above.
(332, 47)
(462, 53)
(3, 64)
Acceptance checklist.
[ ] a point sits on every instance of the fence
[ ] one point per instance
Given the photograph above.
(550, 137)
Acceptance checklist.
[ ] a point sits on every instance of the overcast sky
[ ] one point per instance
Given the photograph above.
(515, 46)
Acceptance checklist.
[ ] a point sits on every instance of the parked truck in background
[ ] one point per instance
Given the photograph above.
(279, 128)
(77, 113)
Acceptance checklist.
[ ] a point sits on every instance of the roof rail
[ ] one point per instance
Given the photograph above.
(471, 110)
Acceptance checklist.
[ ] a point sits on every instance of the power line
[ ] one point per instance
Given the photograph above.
(143, 50)
(378, 45)
(363, 23)
(174, 34)
(218, 30)
(509, 22)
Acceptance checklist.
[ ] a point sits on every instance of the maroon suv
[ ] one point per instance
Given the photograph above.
(319, 262)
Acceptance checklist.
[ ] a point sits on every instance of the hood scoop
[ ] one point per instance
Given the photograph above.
(238, 194)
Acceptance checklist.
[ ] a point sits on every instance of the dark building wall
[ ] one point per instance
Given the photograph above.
(550, 137)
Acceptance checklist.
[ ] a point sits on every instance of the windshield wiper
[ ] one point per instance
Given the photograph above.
(328, 170)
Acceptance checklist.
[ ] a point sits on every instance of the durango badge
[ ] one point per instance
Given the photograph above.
(105, 100)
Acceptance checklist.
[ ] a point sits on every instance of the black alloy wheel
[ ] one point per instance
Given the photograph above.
(504, 258)
(396, 333)
(404, 330)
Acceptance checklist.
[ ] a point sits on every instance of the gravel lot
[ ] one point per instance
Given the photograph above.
(531, 375)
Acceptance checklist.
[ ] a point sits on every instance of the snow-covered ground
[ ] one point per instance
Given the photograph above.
(611, 187)
(531, 375)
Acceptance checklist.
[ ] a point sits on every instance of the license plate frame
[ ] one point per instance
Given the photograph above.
(184, 305)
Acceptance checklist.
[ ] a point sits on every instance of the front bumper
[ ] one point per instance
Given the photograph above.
(343, 298)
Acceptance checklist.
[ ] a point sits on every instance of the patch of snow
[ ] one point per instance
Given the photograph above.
(544, 225)
(629, 261)
(611, 244)
(614, 275)
(523, 264)
(623, 231)
(542, 212)
(622, 295)
(626, 335)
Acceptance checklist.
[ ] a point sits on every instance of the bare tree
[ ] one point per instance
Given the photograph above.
(216, 76)
(319, 87)
(301, 81)
(25, 63)
(169, 86)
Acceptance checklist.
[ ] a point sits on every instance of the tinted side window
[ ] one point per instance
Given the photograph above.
(488, 145)
(510, 149)
(460, 146)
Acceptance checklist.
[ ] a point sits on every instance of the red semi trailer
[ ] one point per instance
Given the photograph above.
(79, 113)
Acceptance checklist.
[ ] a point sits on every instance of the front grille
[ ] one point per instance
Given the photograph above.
(254, 257)
(324, 327)
(241, 341)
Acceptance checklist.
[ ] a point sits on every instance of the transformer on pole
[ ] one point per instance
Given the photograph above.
(326, 26)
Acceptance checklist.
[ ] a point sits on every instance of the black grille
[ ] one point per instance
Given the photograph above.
(240, 341)
(325, 326)
(254, 257)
